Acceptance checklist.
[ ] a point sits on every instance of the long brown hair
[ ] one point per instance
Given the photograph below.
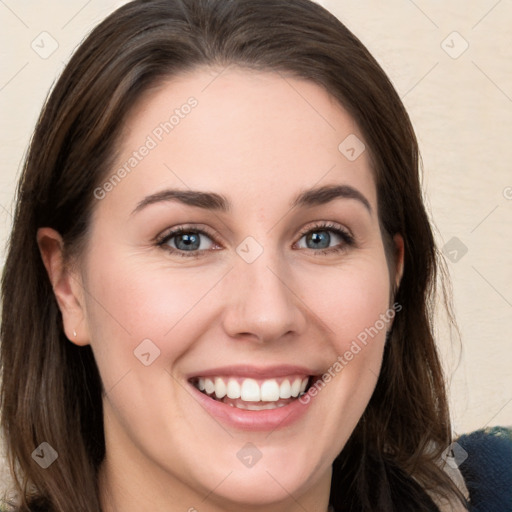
(51, 390)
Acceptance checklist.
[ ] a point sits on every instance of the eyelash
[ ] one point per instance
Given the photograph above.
(348, 239)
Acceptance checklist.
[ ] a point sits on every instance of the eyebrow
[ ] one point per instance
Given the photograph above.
(219, 203)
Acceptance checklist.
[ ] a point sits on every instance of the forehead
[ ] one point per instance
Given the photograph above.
(253, 136)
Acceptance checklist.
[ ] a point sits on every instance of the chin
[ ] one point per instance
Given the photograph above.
(259, 488)
(277, 474)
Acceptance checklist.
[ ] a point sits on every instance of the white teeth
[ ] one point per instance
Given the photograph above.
(285, 391)
(296, 387)
(209, 386)
(250, 390)
(220, 388)
(270, 391)
(233, 389)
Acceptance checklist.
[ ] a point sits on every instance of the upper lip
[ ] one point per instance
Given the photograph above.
(258, 372)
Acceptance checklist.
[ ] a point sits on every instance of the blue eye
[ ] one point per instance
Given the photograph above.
(319, 237)
(188, 242)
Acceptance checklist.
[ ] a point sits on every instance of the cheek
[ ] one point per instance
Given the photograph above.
(353, 304)
(363, 319)
(350, 300)
(134, 309)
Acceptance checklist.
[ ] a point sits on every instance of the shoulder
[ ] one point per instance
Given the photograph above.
(486, 465)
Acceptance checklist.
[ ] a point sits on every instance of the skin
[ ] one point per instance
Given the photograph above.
(254, 139)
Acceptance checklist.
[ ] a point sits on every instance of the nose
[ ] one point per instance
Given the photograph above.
(262, 304)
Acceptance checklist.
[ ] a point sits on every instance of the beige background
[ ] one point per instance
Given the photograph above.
(460, 101)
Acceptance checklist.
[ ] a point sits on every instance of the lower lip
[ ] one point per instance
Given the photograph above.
(264, 420)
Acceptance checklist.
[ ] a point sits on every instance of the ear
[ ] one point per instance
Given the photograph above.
(399, 259)
(67, 286)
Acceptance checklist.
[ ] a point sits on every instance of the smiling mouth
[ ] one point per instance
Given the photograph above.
(253, 394)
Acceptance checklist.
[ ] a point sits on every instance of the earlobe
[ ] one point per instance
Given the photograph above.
(66, 286)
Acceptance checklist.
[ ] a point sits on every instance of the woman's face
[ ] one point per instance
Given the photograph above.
(279, 277)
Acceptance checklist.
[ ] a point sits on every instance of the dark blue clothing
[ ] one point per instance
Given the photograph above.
(487, 470)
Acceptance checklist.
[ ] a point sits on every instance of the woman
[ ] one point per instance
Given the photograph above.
(217, 293)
